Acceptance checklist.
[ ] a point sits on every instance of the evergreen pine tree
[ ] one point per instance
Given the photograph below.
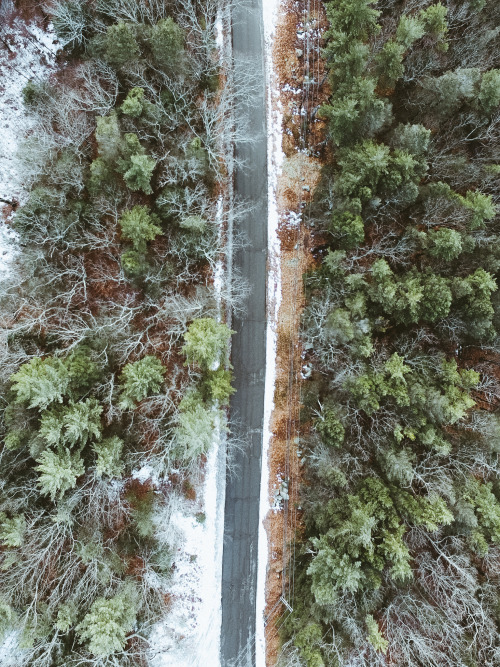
(167, 44)
(59, 472)
(121, 45)
(41, 382)
(139, 174)
(108, 622)
(205, 342)
(138, 226)
(140, 379)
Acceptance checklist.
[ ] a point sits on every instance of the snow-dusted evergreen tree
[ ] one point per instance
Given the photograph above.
(106, 626)
(140, 379)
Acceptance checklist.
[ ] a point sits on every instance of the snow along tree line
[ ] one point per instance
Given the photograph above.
(400, 559)
(114, 355)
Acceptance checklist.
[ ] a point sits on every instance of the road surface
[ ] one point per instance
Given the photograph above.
(239, 569)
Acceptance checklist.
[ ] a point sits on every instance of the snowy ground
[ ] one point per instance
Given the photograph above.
(26, 53)
(190, 635)
(275, 161)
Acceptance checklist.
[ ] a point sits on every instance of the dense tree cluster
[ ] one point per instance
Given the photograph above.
(114, 350)
(400, 560)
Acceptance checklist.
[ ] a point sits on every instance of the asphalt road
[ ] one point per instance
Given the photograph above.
(239, 569)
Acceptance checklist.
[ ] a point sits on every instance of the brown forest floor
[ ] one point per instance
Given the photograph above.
(296, 57)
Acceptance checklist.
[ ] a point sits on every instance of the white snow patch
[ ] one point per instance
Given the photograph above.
(219, 272)
(219, 32)
(8, 238)
(287, 88)
(275, 162)
(219, 275)
(144, 474)
(30, 56)
(190, 635)
(293, 219)
(10, 654)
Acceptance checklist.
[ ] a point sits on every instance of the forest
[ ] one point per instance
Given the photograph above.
(398, 558)
(114, 346)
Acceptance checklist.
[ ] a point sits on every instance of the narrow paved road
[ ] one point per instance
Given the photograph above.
(239, 569)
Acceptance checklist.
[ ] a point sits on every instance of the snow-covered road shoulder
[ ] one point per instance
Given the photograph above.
(190, 634)
(275, 160)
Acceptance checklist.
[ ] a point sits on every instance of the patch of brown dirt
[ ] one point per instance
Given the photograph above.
(7, 210)
(30, 9)
(135, 567)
